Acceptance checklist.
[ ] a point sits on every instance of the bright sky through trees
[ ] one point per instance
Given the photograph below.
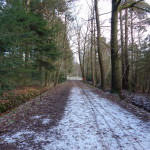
(82, 11)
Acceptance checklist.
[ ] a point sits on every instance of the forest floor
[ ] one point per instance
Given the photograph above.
(76, 116)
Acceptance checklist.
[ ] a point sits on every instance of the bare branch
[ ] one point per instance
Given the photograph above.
(119, 1)
(129, 5)
(142, 9)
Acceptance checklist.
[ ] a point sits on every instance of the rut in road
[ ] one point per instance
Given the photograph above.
(95, 112)
(90, 122)
(126, 134)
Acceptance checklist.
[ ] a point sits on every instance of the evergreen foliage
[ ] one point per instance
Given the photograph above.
(29, 43)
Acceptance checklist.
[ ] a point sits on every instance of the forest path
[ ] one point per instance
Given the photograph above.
(89, 122)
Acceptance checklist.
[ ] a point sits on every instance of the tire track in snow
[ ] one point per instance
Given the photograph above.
(116, 139)
(121, 126)
(140, 133)
(100, 133)
(105, 146)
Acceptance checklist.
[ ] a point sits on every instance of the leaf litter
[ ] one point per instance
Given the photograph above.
(89, 122)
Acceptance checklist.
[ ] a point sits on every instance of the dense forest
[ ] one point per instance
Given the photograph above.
(34, 47)
(38, 38)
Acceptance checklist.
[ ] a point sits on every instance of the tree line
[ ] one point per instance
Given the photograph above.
(122, 63)
(34, 46)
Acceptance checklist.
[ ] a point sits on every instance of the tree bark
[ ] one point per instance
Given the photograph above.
(80, 59)
(125, 80)
(132, 54)
(99, 48)
(95, 55)
(42, 69)
(116, 82)
(84, 51)
(87, 72)
(92, 63)
(122, 44)
(58, 73)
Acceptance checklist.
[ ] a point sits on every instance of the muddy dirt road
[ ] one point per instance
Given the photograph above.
(73, 117)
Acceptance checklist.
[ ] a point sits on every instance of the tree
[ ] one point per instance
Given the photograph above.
(115, 60)
(125, 70)
(100, 57)
(116, 83)
(29, 47)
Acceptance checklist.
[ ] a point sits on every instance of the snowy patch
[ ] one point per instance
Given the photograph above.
(36, 117)
(41, 118)
(46, 121)
(126, 129)
(89, 123)
(141, 101)
(18, 136)
(77, 130)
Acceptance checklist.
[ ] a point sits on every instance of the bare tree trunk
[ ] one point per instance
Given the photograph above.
(95, 55)
(115, 61)
(132, 54)
(87, 73)
(125, 83)
(99, 46)
(62, 57)
(92, 63)
(83, 63)
(58, 72)
(80, 59)
(122, 45)
(42, 70)
(26, 55)
(28, 5)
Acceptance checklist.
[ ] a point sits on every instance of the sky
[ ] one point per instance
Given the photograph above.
(81, 9)
(104, 7)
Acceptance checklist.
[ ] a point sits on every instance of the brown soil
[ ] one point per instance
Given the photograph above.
(52, 105)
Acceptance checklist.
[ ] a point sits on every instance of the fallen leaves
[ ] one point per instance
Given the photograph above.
(17, 97)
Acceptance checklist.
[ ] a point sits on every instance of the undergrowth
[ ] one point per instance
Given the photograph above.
(14, 98)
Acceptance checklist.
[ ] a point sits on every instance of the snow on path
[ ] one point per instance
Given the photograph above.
(121, 129)
(89, 123)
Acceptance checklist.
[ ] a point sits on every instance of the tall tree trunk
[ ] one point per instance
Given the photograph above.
(125, 80)
(42, 70)
(58, 72)
(80, 59)
(87, 69)
(132, 53)
(91, 52)
(27, 5)
(84, 51)
(83, 65)
(26, 55)
(99, 48)
(26, 74)
(95, 55)
(122, 45)
(116, 82)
